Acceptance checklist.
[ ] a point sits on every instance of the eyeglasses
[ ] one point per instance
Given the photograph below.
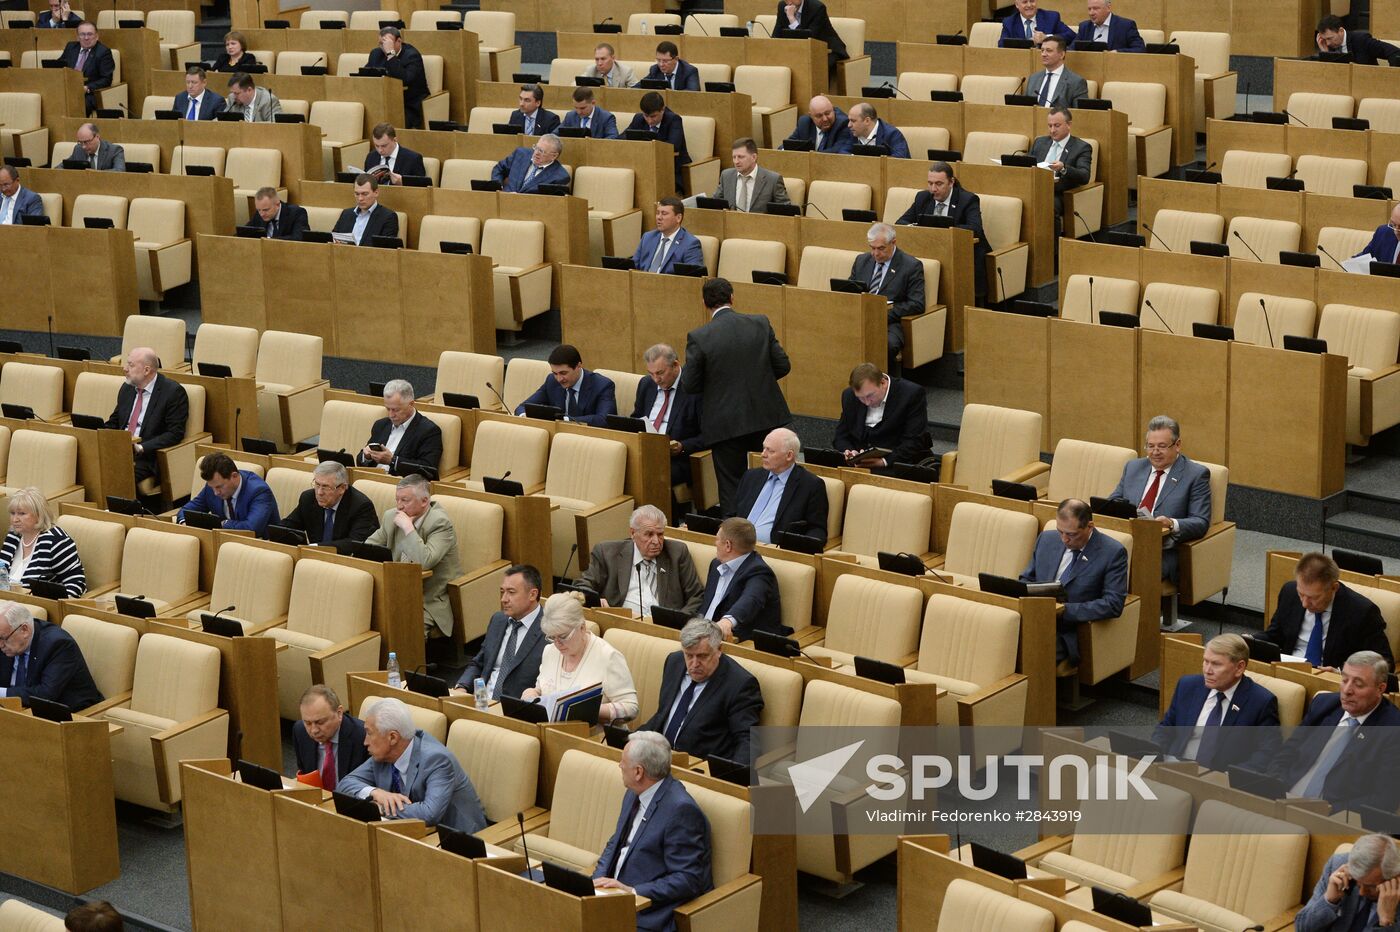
(561, 638)
(13, 632)
(1160, 447)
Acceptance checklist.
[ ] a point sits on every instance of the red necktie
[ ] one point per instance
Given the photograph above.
(134, 420)
(661, 415)
(328, 768)
(1150, 498)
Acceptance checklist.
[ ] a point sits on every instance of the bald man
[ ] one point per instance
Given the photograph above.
(780, 497)
(824, 127)
(151, 408)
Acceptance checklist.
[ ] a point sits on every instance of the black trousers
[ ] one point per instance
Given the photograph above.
(731, 461)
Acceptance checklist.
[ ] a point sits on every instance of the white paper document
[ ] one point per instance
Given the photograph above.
(1359, 265)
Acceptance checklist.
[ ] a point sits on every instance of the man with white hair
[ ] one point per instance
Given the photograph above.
(645, 571)
(1358, 889)
(41, 659)
(411, 775)
(661, 846)
(403, 443)
(417, 530)
(780, 497)
(1119, 33)
(331, 510)
(895, 276)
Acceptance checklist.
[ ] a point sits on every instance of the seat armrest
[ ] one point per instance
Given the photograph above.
(204, 737)
(475, 597)
(924, 336)
(701, 177)
(266, 626)
(1170, 879)
(1283, 920)
(729, 906)
(1380, 399)
(1083, 205)
(1206, 563)
(1013, 261)
(1036, 474)
(182, 55)
(1043, 847)
(1219, 94)
(93, 711)
(170, 264)
(852, 74)
(999, 703)
(704, 485)
(502, 63)
(33, 144)
(176, 462)
(948, 470)
(622, 232)
(777, 125)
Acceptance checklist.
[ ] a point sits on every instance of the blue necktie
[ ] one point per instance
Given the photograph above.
(1045, 90)
(328, 530)
(395, 781)
(193, 113)
(1329, 759)
(1205, 751)
(1314, 649)
(1030, 29)
(586, 121)
(22, 669)
(765, 510)
(673, 727)
(529, 126)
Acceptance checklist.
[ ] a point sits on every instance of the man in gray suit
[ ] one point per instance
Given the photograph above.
(1056, 85)
(747, 186)
(1167, 486)
(734, 363)
(606, 66)
(645, 570)
(100, 154)
(410, 775)
(897, 277)
(1070, 158)
(257, 104)
(418, 531)
(1357, 890)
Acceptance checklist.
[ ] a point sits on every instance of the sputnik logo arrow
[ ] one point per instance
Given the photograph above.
(811, 777)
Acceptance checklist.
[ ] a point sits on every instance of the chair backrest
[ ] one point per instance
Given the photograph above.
(1177, 307)
(513, 243)
(494, 29)
(460, 173)
(38, 387)
(898, 200)
(347, 63)
(523, 376)
(371, 19)
(429, 721)
(253, 168)
(1082, 469)
(1266, 237)
(988, 89)
(1366, 336)
(345, 425)
(820, 264)
(610, 190)
(107, 19)
(1322, 175)
(519, 448)
(1286, 316)
(95, 393)
(435, 229)
(1224, 837)
(1001, 218)
(1247, 169)
(709, 24)
(651, 20)
(885, 519)
(987, 539)
(427, 21)
(1121, 840)
(341, 121)
(109, 651)
(165, 335)
(1292, 697)
(587, 799)
(176, 27)
(782, 692)
(479, 529)
(984, 35)
(1341, 242)
(1177, 229)
(1211, 50)
(699, 136)
(111, 206)
(970, 641)
(20, 111)
(286, 358)
(291, 62)
(228, 345)
(158, 221)
(175, 679)
(1145, 104)
(830, 704)
(992, 442)
(99, 547)
(832, 197)
(711, 72)
(469, 373)
(980, 146)
(918, 84)
(971, 907)
(330, 601)
(626, 385)
(148, 152)
(451, 427)
(312, 19)
(796, 585)
(287, 484)
(258, 581)
(379, 492)
(770, 86)
(503, 765)
(923, 138)
(1382, 112)
(1311, 109)
(160, 564)
(646, 659)
(209, 156)
(1084, 304)
(740, 258)
(52, 200)
(587, 469)
(481, 119)
(873, 618)
(1389, 604)
(46, 461)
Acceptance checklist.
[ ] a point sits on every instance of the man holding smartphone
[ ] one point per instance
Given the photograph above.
(1359, 889)
(403, 443)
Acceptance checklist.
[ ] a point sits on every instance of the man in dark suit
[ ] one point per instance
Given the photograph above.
(93, 59)
(587, 115)
(895, 276)
(659, 250)
(733, 363)
(1361, 47)
(1347, 739)
(747, 186)
(368, 218)
(1067, 156)
(1055, 85)
(1319, 618)
(403, 61)
(1090, 566)
(392, 161)
(1219, 697)
(153, 409)
(41, 659)
(810, 16)
(878, 410)
(403, 442)
(509, 659)
(867, 129)
(1358, 889)
(58, 16)
(1167, 486)
(824, 127)
(708, 702)
(780, 497)
(196, 101)
(661, 846)
(944, 197)
(328, 740)
(669, 411)
(16, 201)
(524, 170)
(644, 570)
(666, 125)
(741, 591)
(1030, 22)
(532, 118)
(98, 153)
(583, 396)
(1118, 33)
(278, 220)
(240, 497)
(679, 74)
(330, 510)
(1385, 245)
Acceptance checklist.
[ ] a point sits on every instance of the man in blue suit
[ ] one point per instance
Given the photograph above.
(666, 125)
(1167, 486)
(196, 101)
(410, 775)
(1220, 695)
(824, 127)
(243, 500)
(679, 74)
(1348, 743)
(41, 659)
(583, 396)
(1358, 889)
(741, 591)
(1385, 242)
(588, 115)
(661, 846)
(660, 249)
(524, 170)
(532, 118)
(867, 129)
(1034, 24)
(669, 411)
(1093, 569)
(15, 200)
(1119, 34)
(326, 730)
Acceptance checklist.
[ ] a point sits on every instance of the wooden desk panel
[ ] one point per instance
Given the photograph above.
(599, 302)
(1036, 190)
(1224, 135)
(1363, 290)
(1355, 213)
(1155, 194)
(664, 309)
(299, 289)
(108, 292)
(824, 331)
(1087, 258)
(1184, 374)
(1291, 77)
(60, 91)
(1251, 202)
(998, 349)
(1079, 406)
(343, 883)
(463, 286)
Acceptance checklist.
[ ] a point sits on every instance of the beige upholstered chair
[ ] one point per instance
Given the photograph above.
(994, 443)
(505, 765)
(990, 89)
(290, 388)
(740, 258)
(34, 386)
(1292, 698)
(317, 19)
(427, 20)
(435, 229)
(481, 119)
(163, 255)
(1247, 169)
(1286, 317)
(1108, 294)
(971, 907)
(257, 582)
(1334, 176)
(523, 377)
(614, 224)
(177, 36)
(1368, 337)
(495, 30)
(853, 73)
(224, 345)
(460, 173)
(709, 24)
(827, 199)
(345, 425)
(969, 649)
(100, 549)
(95, 394)
(1266, 237)
(898, 200)
(1176, 229)
(1215, 82)
(16, 916)
(1383, 113)
(1008, 260)
(782, 693)
(429, 721)
(108, 19)
(287, 484)
(1177, 307)
(22, 130)
(470, 374)
(162, 567)
(646, 658)
(46, 461)
(519, 449)
(984, 35)
(1082, 469)
(327, 631)
(171, 714)
(1317, 110)
(1149, 134)
(626, 386)
(584, 809)
(923, 333)
(1341, 242)
(182, 158)
(640, 24)
(880, 519)
(108, 649)
(918, 84)
(291, 62)
(980, 146)
(1389, 604)
(987, 539)
(371, 19)
(342, 123)
(475, 595)
(584, 482)
(774, 115)
(165, 335)
(1205, 563)
(923, 138)
(871, 618)
(523, 276)
(820, 264)
(110, 206)
(250, 170)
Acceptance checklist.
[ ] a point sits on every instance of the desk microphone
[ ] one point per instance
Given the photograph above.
(606, 20)
(1090, 232)
(1246, 97)
(573, 549)
(699, 25)
(1158, 316)
(895, 88)
(529, 871)
(1236, 235)
(1202, 171)
(1022, 84)
(50, 334)
(222, 610)
(237, 440)
(1323, 250)
(1002, 279)
(1292, 117)
(1265, 308)
(818, 210)
(1091, 299)
(502, 400)
(1157, 238)
(760, 26)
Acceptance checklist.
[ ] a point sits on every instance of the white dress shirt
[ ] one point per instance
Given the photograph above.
(726, 574)
(665, 425)
(396, 438)
(1101, 32)
(641, 587)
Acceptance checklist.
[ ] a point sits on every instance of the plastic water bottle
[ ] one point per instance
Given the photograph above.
(482, 698)
(749, 27)
(4, 575)
(395, 680)
(645, 27)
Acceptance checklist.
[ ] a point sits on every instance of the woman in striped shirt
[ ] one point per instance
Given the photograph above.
(36, 548)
